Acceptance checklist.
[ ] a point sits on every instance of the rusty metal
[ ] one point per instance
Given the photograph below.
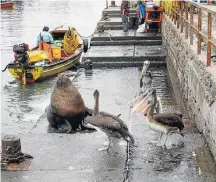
(176, 15)
(172, 13)
(186, 22)
(181, 17)
(16, 166)
(209, 38)
(191, 25)
(11, 150)
(199, 31)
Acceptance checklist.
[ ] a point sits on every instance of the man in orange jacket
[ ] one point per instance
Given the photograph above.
(44, 42)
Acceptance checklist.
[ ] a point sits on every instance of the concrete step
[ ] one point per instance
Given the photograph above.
(124, 64)
(126, 42)
(113, 27)
(112, 21)
(119, 35)
(116, 10)
(119, 15)
(125, 53)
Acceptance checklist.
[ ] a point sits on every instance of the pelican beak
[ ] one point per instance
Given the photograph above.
(142, 104)
(145, 110)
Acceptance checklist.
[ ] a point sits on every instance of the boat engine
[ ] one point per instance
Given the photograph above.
(20, 54)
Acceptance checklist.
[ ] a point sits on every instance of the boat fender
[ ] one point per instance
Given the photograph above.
(85, 43)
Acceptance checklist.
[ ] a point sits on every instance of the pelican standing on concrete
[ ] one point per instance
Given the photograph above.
(164, 123)
(111, 125)
(145, 78)
(146, 86)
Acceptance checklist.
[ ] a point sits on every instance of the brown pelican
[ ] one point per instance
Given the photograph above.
(146, 84)
(111, 125)
(145, 78)
(164, 123)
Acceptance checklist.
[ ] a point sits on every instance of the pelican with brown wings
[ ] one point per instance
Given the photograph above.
(111, 125)
(164, 123)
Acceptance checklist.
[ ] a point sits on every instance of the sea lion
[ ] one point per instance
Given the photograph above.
(67, 109)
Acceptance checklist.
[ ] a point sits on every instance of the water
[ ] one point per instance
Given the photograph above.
(21, 107)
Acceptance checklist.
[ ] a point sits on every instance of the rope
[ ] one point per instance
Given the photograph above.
(5, 68)
(84, 36)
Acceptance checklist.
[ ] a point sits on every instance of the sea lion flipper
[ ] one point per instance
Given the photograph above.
(65, 128)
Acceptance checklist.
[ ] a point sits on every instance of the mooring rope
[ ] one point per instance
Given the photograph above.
(5, 68)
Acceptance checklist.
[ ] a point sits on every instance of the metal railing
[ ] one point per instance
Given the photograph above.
(179, 12)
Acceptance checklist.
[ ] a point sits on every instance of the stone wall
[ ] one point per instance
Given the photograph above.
(197, 83)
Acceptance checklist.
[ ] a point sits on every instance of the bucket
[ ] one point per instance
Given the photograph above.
(56, 52)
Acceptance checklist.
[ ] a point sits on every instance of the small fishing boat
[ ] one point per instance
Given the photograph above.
(6, 3)
(33, 65)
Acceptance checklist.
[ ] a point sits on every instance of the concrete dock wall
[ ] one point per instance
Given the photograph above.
(195, 81)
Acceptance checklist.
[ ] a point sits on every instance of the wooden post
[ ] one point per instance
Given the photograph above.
(186, 22)
(199, 31)
(209, 39)
(107, 4)
(11, 149)
(191, 25)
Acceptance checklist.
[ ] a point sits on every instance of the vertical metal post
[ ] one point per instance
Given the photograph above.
(209, 39)
(178, 15)
(181, 20)
(175, 14)
(186, 22)
(191, 25)
(172, 13)
(199, 31)
(170, 9)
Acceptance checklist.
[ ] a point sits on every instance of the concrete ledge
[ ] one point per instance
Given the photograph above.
(129, 59)
(122, 64)
(126, 37)
(197, 82)
(115, 27)
(124, 53)
(128, 42)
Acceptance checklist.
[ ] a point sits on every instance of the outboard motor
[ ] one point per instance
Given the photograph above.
(20, 53)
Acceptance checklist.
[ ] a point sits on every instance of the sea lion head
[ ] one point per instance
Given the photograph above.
(63, 81)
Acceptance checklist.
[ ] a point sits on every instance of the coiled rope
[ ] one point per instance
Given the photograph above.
(71, 41)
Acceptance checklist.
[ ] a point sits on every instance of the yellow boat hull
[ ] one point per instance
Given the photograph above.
(37, 73)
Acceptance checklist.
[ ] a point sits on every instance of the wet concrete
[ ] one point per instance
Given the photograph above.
(185, 158)
(125, 54)
(74, 157)
(120, 35)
